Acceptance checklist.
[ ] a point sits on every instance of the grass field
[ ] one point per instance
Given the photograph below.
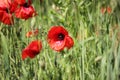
(94, 56)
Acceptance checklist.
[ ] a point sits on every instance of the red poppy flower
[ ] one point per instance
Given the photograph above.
(32, 49)
(103, 10)
(25, 11)
(32, 33)
(109, 10)
(58, 38)
(29, 34)
(106, 9)
(13, 7)
(5, 15)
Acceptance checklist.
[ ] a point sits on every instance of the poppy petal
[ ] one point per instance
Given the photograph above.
(69, 42)
(20, 2)
(32, 53)
(6, 18)
(103, 10)
(109, 10)
(57, 45)
(13, 7)
(25, 12)
(55, 30)
(24, 54)
(29, 34)
(1, 14)
(32, 49)
(35, 45)
(5, 4)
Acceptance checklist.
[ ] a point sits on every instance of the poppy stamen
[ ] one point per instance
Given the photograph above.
(26, 5)
(7, 11)
(61, 36)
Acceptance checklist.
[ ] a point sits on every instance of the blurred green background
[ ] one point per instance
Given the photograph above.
(94, 56)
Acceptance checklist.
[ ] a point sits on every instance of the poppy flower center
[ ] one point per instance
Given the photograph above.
(7, 11)
(61, 36)
(26, 5)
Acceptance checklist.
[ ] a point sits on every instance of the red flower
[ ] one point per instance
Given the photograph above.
(109, 10)
(32, 33)
(25, 11)
(13, 7)
(58, 38)
(29, 34)
(103, 10)
(106, 9)
(5, 13)
(6, 17)
(32, 49)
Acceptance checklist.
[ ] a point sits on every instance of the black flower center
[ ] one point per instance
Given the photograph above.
(7, 11)
(26, 5)
(61, 36)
